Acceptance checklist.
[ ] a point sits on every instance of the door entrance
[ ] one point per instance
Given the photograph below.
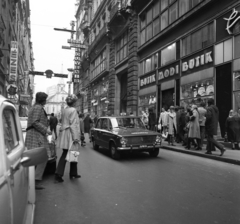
(224, 93)
(123, 93)
(168, 98)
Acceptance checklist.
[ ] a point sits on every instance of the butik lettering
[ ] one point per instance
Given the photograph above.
(147, 80)
(198, 61)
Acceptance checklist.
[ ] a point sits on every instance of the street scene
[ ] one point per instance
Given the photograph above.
(119, 111)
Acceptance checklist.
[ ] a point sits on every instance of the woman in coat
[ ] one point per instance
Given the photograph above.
(233, 128)
(37, 131)
(172, 125)
(194, 128)
(81, 126)
(88, 125)
(69, 134)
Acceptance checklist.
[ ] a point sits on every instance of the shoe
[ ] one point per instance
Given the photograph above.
(39, 187)
(208, 153)
(75, 176)
(222, 151)
(59, 178)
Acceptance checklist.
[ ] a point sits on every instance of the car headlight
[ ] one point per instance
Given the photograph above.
(158, 139)
(123, 141)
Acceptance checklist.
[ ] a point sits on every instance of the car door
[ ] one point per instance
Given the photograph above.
(105, 135)
(17, 175)
(97, 132)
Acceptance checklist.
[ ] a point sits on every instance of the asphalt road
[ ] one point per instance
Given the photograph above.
(173, 188)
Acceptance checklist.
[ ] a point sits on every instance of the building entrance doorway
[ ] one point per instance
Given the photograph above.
(123, 93)
(224, 93)
(168, 98)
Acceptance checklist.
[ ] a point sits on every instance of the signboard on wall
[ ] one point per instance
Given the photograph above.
(147, 80)
(169, 72)
(13, 62)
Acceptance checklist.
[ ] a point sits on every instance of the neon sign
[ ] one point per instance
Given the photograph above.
(231, 21)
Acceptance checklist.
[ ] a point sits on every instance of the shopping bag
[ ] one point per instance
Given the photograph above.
(73, 153)
(72, 156)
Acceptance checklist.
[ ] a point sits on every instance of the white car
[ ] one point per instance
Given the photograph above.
(17, 169)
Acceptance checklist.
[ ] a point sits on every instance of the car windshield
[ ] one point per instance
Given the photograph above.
(128, 122)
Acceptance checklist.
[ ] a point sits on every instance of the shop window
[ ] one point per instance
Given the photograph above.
(173, 13)
(236, 89)
(149, 64)
(237, 47)
(196, 92)
(146, 102)
(223, 52)
(168, 54)
(198, 40)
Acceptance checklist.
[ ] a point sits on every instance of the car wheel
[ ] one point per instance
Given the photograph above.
(95, 146)
(154, 153)
(114, 152)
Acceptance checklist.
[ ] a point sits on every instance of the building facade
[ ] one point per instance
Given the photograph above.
(16, 55)
(154, 54)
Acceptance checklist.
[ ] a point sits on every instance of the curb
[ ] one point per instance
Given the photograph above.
(213, 157)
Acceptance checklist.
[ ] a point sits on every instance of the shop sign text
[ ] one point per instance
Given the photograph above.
(13, 61)
(231, 21)
(148, 80)
(168, 72)
(197, 61)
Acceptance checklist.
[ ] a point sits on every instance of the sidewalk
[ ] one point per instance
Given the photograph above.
(230, 156)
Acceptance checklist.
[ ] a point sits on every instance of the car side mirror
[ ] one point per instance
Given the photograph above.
(34, 157)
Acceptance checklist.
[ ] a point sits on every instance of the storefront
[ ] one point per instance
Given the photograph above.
(197, 78)
(168, 84)
(147, 93)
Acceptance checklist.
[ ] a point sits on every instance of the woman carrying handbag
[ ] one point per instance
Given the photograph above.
(69, 136)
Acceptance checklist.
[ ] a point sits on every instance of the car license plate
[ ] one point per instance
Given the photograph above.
(143, 146)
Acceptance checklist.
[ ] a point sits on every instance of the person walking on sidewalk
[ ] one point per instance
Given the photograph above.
(152, 120)
(233, 129)
(211, 127)
(69, 134)
(81, 126)
(37, 131)
(202, 119)
(88, 125)
(172, 125)
(181, 125)
(163, 120)
(194, 128)
(53, 124)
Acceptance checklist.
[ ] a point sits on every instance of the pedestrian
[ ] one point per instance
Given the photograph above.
(194, 128)
(211, 125)
(144, 118)
(69, 134)
(202, 119)
(53, 124)
(152, 120)
(37, 132)
(181, 125)
(163, 120)
(95, 120)
(87, 125)
(233, 129)
(177, 111)
(81, 128)
(172, 125)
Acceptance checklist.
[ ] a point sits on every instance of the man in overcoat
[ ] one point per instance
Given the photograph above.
(37, 131)
(211, 127)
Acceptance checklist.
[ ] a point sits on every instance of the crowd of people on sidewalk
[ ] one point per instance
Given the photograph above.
(192, 125)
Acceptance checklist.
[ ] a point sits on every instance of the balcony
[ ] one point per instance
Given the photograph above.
(102, 33)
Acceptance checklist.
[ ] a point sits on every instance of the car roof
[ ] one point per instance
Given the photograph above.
(2, 99)
(119, 117)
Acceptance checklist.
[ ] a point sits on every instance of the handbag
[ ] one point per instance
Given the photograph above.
(73, 153)
(159, 127)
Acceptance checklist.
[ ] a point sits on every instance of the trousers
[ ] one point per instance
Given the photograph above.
(40, 170)
(211, 142)
(62, 163)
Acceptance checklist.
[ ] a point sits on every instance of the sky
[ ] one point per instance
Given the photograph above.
(47, 43)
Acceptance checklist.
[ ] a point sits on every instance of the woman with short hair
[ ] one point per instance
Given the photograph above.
(69, 134)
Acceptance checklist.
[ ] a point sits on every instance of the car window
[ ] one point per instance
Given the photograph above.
(104, 124)
(110, 124)
(98, 125)
(9, 130)
(129, 122)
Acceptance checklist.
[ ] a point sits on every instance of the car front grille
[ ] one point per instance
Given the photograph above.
(140, 140)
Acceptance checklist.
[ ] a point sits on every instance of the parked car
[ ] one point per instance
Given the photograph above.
(125, 133)
(17, 168)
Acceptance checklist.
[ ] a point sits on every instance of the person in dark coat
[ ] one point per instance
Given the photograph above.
(181, 125)
(233, 128)
(37, 131)
(53, 124)
(152, 121)
(211, 127)
(177, 111)
(87, 125)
